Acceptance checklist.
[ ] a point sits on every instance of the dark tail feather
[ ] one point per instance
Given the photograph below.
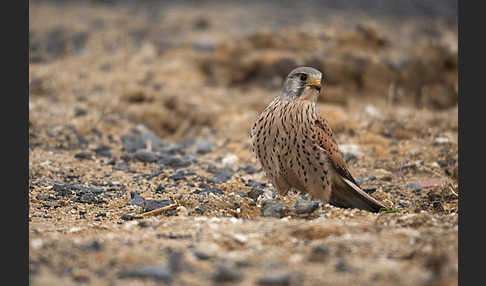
(349, 195)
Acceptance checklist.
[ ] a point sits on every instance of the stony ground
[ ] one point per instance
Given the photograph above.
(139, 166)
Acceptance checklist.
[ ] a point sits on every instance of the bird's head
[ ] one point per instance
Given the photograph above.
(303, 83)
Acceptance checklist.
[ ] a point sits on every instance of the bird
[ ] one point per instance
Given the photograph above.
(297, 148)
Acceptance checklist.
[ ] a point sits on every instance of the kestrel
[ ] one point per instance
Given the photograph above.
(297, 149)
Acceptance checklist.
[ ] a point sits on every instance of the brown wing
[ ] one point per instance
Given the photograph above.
(325, 139)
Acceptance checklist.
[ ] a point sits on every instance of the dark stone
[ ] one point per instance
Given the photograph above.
(255, 193)
(201, 255)
(146, 156)
(174, 162)
(127, 217)
(103, 151)
(156, 272)
(369, 190)
(178, 176)
(279, 279)
(136, 199)
(94, 246)
(255, 184)
(56, 42)
(225, 273)
(394, 152)
(89, 198)
(387, 134)
(201, 24)
(304, 207)
(79, 41)
(61, 189)
(79, 112)
(342, 266)
(83, 155)
(319, 254)
(150, 205)
(409, 166)
(43, 197)
(222, 175)
(160, 189)
(272, 209)
(51, 205)
(252, 204)
(250, 170)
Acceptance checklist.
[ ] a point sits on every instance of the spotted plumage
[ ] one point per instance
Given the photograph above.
(297, 149)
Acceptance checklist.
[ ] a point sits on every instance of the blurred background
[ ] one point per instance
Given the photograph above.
(154, 61)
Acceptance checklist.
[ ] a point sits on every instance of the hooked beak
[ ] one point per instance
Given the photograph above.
(316, 84)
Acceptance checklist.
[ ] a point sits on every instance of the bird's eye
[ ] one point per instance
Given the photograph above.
(303, 77)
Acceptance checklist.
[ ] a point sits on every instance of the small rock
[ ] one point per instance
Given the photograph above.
(272, 209)
(103, 151)
(303, 207)
(83, 155)
(79, 112)
(279, 279)
(174, 162)
(319, 254)
(250, 170)
(225, 273)
(127, 217)
(94, 245)
(204, 146)
(146, 156)
(201, 255)
(136, 199)
(150, 205)
(178, 176)
(156, 272)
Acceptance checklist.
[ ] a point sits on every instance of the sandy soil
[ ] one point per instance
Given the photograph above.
(140, 171)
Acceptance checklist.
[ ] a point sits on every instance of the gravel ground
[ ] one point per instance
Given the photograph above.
(140, 171)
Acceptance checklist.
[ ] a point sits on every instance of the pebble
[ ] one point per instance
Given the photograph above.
(204, 147)
(103, 150)
(150, 205)
(272, 209)
(279, 279)
(156, 272)
(178, 176)
(303, 207)
(319, 254)
(174, 162)
(146, 156)
(83, 155)
(224, 273)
